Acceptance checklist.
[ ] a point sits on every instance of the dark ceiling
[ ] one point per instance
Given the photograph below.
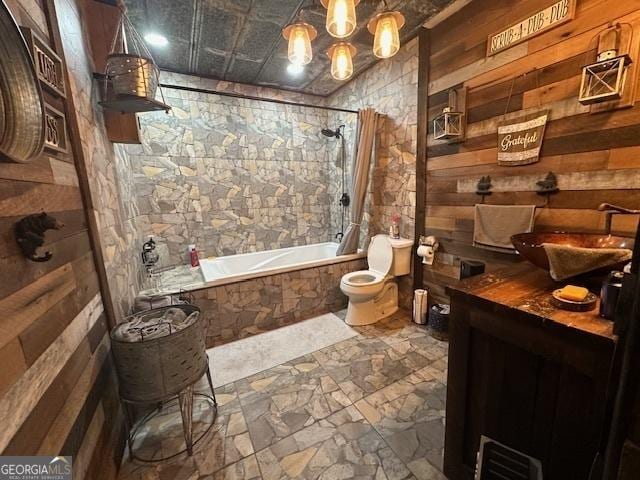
(241, 40)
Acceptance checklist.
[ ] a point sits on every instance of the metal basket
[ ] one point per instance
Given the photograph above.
(158, 369)
(132, 75)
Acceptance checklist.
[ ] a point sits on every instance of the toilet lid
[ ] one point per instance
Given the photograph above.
(380, 254)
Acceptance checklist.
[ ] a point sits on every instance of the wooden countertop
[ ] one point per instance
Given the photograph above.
(525, 288)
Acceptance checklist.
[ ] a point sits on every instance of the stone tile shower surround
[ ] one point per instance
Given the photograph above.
(219, 172)
(234, 175)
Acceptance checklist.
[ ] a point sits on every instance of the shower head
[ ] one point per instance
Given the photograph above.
(332, 133)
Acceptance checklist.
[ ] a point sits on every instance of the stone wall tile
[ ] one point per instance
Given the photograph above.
(234, 175)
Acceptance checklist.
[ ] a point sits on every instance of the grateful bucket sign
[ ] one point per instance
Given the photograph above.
(520, 140)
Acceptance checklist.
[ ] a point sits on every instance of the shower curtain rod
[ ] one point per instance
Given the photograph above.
(252, 97)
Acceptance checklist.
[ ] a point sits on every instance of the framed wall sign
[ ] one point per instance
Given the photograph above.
(520, 140)
(55, 130)
(48, 64)
(554, 15)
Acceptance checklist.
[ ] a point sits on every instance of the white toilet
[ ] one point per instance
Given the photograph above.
(373, 293)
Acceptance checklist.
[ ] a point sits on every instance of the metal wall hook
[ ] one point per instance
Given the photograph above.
(483, 188)
(547, 186)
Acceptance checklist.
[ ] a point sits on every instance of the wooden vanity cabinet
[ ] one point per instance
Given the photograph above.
(524, 373)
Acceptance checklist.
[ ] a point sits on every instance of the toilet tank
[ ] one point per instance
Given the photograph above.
(402, 248)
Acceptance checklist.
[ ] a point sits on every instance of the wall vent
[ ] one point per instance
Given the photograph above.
(499, 462)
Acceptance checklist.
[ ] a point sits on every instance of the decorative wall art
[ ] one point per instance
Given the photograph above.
(22, 129)
(55, 130)
(520, 140)
(554, 15)
(30, 235)
(48, 64)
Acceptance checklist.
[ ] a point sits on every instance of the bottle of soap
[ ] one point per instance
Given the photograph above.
(193, 256)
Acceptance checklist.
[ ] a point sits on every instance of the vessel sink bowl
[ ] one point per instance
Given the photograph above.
(529, 245)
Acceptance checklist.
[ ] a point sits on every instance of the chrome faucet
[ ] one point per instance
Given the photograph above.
(611, 210)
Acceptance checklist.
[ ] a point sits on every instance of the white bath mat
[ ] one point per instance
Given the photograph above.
(245, 357)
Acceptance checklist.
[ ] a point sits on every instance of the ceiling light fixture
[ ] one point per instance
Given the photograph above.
(156, 40)
(341, 55)
(385, 28)
(300, 35)
(341, 17)
(295, 69)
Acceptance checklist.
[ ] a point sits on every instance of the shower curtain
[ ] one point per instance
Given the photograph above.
(366, 136)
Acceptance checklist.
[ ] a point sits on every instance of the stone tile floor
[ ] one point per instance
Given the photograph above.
(371, 406)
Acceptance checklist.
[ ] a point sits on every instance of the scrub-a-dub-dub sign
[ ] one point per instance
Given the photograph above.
(552, 16)
(520, 140)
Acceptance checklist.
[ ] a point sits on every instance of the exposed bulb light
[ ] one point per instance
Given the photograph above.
(341, 55)
(385, 28)
(341, 17)
(295, 69)
(300, 35)
(156, 40)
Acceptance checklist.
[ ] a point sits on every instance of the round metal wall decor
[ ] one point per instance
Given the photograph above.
(22, 118)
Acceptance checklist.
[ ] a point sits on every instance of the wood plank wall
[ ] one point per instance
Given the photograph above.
(595, 156)
(57, 389)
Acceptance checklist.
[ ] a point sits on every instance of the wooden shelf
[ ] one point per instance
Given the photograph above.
(134, 104)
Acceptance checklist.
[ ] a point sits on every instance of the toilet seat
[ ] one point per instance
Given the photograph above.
(380, 255)
(363, 278)
(380, 259)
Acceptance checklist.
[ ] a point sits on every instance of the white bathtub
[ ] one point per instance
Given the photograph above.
(235, 268)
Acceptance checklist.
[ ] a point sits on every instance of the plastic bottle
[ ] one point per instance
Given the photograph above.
(193, 255)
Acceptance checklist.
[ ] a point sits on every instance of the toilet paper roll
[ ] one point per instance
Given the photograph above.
(420, 304)
(424, 251)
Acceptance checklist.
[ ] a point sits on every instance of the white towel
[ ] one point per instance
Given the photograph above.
(142, 329)
(494, 225)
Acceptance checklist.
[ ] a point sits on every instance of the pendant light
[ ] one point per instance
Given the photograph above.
(341, 17)
(385, 27)
(300, 35)
(341, 55)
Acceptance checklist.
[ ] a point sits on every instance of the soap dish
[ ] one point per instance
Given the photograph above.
(585, 305)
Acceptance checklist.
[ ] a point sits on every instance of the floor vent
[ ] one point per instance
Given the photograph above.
(499, 462)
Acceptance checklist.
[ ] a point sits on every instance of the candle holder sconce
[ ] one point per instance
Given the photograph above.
(451, 124)
(610, 82)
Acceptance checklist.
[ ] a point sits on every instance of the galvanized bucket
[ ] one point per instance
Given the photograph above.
(132, 75)
(158, 369)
